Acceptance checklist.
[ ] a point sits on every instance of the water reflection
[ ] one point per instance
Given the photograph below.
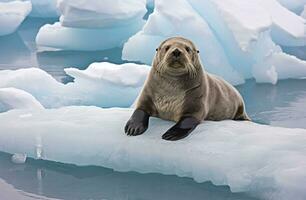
(14, 53)
(283, 104)
(18, 50)
(299, 52)
(54, 62)
(64, 181)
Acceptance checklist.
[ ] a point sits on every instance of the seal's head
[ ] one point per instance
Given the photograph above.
(177, 56)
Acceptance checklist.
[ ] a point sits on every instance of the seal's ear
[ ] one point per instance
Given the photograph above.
(198, 51)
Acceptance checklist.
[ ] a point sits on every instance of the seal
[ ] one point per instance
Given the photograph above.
(178, 89)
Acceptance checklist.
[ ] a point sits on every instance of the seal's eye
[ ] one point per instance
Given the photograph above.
(156, 49)
(167, 48)
(188, 49)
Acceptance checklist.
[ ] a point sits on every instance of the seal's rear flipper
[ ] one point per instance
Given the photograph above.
(243, 117)
(181, 129)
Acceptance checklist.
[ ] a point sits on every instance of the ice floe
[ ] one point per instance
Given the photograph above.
(100, 14)
(93, 25)
(101, 84)
(293, 5)
(12, 15)
(237, 39)
(12, 98)
(288, 28)
(267, 162)
(19, 158)
(303, 14)
(65, 38)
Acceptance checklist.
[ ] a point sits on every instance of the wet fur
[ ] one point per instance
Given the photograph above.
(191, 92)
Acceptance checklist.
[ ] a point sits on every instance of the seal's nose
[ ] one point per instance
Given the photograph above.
(176, 53)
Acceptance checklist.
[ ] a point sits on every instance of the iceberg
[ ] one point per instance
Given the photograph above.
(168, 20)
(101, 84)
(233, 43)
(41, 8)
(295, 6)
(57, 36)
(12, 98)
(12, 15)
(93, 25)
(100, 14)
(288, 29)
(264, 161)
(303, 14)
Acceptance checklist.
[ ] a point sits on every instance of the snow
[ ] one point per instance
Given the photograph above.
(12, 98)
(93, 25)
(12, 15)
(101, 84)
(237, 39)
(264, 161)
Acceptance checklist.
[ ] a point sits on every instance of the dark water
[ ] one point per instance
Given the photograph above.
(62, 181)
(19, 50)
(283, 104)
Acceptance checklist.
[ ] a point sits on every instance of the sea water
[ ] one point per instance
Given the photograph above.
(279, 105)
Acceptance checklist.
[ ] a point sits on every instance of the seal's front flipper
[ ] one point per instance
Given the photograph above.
(138, 123)
(181, 129)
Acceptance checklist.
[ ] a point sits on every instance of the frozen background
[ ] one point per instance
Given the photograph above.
(54, 55)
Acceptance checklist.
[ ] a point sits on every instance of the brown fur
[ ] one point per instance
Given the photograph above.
(181, 88)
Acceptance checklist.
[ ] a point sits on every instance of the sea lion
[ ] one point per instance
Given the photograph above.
(178, 89)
